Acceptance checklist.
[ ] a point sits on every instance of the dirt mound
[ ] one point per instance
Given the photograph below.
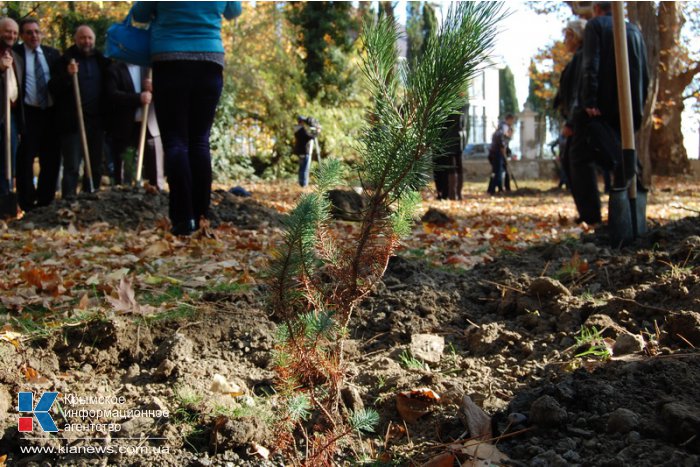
(136, 208)
(514, 341)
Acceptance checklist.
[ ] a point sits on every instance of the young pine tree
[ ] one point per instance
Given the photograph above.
(315, 282)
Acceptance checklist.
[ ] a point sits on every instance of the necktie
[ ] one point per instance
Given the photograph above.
(41, 90)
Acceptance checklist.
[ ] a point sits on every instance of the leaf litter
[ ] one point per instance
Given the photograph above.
(467, 279)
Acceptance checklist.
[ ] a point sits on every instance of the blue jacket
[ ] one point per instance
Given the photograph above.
(185, 26)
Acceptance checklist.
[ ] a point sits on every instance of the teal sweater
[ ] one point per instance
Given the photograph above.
(185, 26)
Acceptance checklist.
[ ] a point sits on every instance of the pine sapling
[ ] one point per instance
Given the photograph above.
(315, 282)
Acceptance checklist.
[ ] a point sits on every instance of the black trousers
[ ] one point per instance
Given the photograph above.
(40, 138)
(119, 146)
(583, 170)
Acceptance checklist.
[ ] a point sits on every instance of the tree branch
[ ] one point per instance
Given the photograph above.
(682, 80)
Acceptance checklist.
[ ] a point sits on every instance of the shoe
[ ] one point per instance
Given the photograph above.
(184, 229)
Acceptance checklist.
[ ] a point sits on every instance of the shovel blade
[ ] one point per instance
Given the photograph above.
(619, 218)
(641, 210)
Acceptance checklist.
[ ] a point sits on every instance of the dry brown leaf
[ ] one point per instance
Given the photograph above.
(126, 298)
(478, 422)
(412, 405)
(446, 459)
(11, 337)
(33, 376)
(480, 454)
(156, 249)
(84, 302)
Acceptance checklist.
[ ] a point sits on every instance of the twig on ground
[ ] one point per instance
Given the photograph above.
(514, 289)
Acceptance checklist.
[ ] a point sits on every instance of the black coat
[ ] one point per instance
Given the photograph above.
(569, 87)
(61, 88)
(599, 85)
(123, 101)
(52, 57)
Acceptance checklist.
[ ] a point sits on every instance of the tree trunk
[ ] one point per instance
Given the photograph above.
(668, 155)
(644, 15)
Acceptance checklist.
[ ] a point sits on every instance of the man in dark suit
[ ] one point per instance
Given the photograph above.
(128, 90)
(91, 67)
(39, 133)
(596, 118)
(11, 66)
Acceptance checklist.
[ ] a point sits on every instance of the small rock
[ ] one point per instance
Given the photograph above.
(547, 287)
(546, 412)
(220, 385)
(427, 347)
(627, 343)
(549, 459)
(166, 368)
(136, 427)
(622, 421)
(176, 348)
(133, 371)
(684, 323)
(633, 437)
(239, 432)
(681, 420)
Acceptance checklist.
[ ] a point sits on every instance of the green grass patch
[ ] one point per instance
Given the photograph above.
(172, 293)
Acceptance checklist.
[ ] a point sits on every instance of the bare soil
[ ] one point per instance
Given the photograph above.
(510, 326)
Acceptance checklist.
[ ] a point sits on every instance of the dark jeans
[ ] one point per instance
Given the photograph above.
(72, 151)
(185, 95)
(497, 168)
(40, 138)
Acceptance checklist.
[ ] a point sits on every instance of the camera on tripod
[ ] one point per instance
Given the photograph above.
(314, 125)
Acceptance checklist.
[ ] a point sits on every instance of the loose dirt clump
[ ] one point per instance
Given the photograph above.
(137, 208)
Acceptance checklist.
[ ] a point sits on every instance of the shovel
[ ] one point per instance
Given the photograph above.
(626, 206)
(83, 133)
(8, 202)
(142, 137)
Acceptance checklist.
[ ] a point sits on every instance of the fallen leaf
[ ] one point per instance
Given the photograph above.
(117, 274)
(412, 405)
(126, 298)
(480, 454)
(478, 422)
(261, 451)
(156, 249)
(446, 459)
(84, 302)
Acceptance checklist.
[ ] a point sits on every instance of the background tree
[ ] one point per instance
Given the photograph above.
(506, 89)
(325, 35)
(414, 31)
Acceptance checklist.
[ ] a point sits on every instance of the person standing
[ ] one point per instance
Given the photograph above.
(129, 89)
(304, 141)
(39, 133)
(498, 153)
(91, 67)
(11, 67)
(188, 60)
(599, 100)
(568, 97)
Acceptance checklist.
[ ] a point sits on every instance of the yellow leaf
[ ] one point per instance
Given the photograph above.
(156, 249)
